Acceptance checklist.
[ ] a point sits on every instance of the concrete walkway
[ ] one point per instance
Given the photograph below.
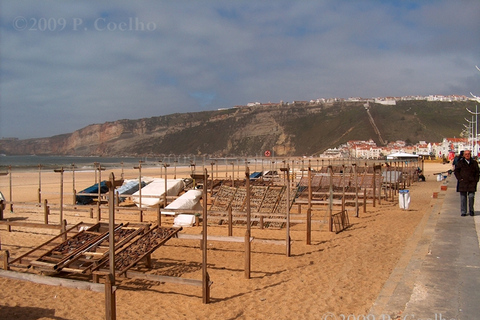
(438, 275)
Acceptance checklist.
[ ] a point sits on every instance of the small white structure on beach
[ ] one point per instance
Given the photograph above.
(402, 156)
(152, 194)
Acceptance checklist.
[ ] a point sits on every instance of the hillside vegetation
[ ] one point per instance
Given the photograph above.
(286, 130)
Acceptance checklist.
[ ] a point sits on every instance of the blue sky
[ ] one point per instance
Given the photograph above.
(67, 64)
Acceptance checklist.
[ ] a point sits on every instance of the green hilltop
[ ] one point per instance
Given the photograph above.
(291, 130)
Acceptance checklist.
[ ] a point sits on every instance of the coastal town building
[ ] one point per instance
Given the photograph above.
(361, 149)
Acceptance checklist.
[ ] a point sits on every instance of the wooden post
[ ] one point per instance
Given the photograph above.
(407, 173)
(99, 213)
(205, 276)
(374, 185)
(356, 188)
(287, 172)
(39, 183)
(379, 188)
(46, 210)
(111, 227)
(159, 216)
(6, 255)
(233, 174)
(110, 298)
(174, 168)
(74, 199)
(211, 187)
(330, 200)
(139, 167)
(365, 200)
(112, 184)
(230, 221)
(10, 185)
(64, 227)
(248, 231)
(62, 230)
(309, 209)
(343, 187)
(166, 165)
(1, 209)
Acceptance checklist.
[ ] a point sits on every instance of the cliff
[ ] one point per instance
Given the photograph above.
(299, 129)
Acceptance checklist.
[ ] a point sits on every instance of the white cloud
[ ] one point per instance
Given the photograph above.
(210, 54)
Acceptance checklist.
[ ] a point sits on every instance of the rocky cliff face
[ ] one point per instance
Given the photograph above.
(249, 131)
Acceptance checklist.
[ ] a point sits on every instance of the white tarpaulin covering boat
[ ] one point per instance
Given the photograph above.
(152, 194)
(190, 200)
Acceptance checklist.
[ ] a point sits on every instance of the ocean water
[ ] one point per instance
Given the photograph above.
(81, 163)
(88, 163)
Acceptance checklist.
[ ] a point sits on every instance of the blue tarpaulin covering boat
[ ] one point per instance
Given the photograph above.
(129, 187)
(256, 175)
(86, 199)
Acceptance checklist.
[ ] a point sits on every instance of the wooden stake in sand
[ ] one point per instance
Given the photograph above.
(2, 205)
(211, 186)
(287, 172)
(139, 167)
(166, 165)
(61, 200)
(39, 183)
(99, 200)
(112, 184)
(110, 296)
(309, 209)
(330, 200)
(354, 165)
(248, 232)
(74, 199)
(205, 276)
(10, 179)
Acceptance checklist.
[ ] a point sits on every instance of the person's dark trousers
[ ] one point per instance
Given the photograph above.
(463, 203)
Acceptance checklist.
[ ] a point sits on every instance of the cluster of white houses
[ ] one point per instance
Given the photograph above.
(369, 150)
(380, 100)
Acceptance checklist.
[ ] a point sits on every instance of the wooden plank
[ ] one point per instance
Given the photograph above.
(229, 239)
(30, 225)
(51, 281)
(43, 264)
(211, 238)
(154, 277)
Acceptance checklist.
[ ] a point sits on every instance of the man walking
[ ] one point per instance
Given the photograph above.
(467, 174)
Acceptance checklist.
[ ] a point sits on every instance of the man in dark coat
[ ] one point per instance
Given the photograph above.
(467, 174)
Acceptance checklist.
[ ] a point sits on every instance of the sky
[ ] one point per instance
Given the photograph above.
(67, 64)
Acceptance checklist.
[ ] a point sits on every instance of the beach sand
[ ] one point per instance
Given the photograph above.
(339, 274)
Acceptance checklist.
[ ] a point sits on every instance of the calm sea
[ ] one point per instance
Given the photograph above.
(88, 163)
(82, 163)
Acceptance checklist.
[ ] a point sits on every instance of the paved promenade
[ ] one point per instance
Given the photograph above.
(438, 275)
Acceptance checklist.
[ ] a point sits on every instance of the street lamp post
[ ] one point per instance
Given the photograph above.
(475, 148)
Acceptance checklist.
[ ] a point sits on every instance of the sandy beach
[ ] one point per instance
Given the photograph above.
(340, 274)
